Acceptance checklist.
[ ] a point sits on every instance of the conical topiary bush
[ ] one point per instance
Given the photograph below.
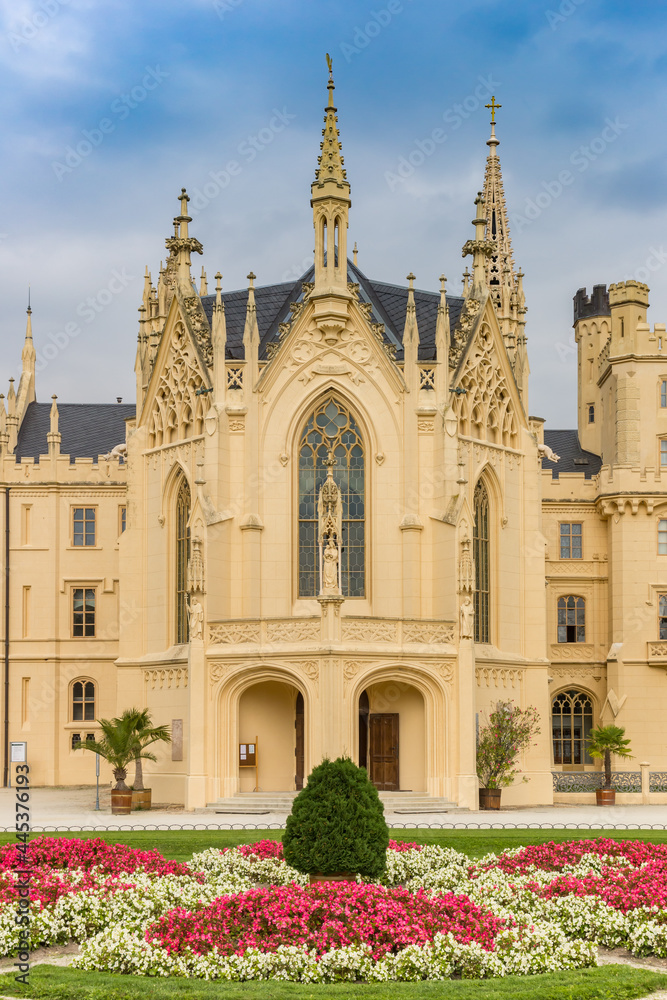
(337, 823)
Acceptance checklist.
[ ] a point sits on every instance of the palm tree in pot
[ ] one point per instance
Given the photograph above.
(119, 746)
(146, 734)
(603, 743)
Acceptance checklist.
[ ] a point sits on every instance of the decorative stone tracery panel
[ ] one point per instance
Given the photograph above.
(484, 409)
(181, 402)
(234, 632)
(504, 677)
(166, 677)
(292, 631)
(427, 632)
(368, 631)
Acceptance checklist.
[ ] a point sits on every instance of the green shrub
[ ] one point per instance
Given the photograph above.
(337, 823)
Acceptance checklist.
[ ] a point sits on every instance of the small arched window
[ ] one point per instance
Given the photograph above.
(331, 427)
(480, 551)
(182, 559)
(571, 723)
(83, 701)
(571, 619)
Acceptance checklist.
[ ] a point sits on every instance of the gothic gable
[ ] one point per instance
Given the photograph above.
(486, 400)
(177, 399)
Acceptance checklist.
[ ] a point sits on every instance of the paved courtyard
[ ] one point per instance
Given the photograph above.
(74, 808)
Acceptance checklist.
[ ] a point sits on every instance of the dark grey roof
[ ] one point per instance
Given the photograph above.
(389, 303)
(572, 457)
(87, 429)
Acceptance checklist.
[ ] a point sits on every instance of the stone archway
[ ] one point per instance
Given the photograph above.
(392, 723)
(267, 715)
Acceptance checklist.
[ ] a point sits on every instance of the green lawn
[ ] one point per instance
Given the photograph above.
(612, 982)
(181, 844)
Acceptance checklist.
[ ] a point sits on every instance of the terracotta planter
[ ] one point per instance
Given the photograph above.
(339, 877)
(489, 798)
(121, 802)
(141, 800)
(605, 796)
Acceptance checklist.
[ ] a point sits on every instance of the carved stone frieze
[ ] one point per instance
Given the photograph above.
(594, 672)
(292, 630)
(571, 651)
(166, 677)
(504, 677)
(234, 632)
(368, 631)
(427, 632)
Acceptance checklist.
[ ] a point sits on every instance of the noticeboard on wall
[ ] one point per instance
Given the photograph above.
(247, 755)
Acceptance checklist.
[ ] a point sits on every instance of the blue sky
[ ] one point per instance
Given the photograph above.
(164, 95)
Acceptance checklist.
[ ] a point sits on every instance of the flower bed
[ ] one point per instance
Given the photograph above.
(243, 913)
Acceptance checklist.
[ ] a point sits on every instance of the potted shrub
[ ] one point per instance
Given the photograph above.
(146, 734)
(119, 746)
(603, 743)
(500, 743)
(336, 829)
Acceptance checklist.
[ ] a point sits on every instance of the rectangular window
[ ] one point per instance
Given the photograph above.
(663, 453)
(662, 538)
(662, 616)
(122, 519)
(83, 525)
(663, 393)
(83, 612)
(570, 541)
(591, 414)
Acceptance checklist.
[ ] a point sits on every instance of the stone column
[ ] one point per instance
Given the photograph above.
(195, 782)
(467, 783)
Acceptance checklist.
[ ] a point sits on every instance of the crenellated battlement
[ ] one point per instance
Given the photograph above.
(597, 304)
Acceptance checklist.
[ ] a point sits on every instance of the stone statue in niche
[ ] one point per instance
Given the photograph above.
(466, 618)
(466, 569)
(196, 567)
(330, 529)
(196, 618)
(330, 569)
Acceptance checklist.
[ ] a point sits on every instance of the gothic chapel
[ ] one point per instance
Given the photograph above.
(325, 528)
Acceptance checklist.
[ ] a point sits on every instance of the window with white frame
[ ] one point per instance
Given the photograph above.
(571, 619)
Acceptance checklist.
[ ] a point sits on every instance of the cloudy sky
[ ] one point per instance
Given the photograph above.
(110, 107)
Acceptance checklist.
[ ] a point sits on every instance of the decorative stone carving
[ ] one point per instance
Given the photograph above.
(425, 424)
(368, 631)
(196, 618)
(330, 533)
(466, 619)
(310, 667)
(234, 632)
(484, 408)
(446, 671)
(292, 630)
(571, 651)
(498, 676)
(574, 673)
(196, 567)
(216, 671)
(169, 677)
(428, 632)
(350, 669)
(181, 399)
(466, 569)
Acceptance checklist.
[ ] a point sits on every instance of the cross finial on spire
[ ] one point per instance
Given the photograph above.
(493, 107)
(29, 310)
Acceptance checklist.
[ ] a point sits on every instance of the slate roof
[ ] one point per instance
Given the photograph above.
(572, 457)
(389, 303)
(87, 429)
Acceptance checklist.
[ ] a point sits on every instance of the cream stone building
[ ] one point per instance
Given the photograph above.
(327, 525)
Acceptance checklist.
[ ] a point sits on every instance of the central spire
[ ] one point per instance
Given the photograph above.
(500, 263)
(330, 201)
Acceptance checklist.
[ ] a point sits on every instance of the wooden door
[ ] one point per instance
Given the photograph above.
(384, 751)
(298, 749)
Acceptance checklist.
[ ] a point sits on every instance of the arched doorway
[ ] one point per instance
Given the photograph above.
(271, 715)
(392, 736)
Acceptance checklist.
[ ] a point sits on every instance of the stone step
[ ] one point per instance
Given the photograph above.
(263, 803)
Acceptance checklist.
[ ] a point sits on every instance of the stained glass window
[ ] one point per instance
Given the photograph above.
(332, 428)
(480, 551)
(182, 559)
(571, 722)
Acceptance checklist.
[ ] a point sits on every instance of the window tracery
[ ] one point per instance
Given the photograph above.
(331, 427)
(480, 551)
(571, 723)
(183, 501)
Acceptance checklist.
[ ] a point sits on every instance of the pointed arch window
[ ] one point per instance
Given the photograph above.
(571, 723)
(480, 547)
(332, 427)
(182, 559)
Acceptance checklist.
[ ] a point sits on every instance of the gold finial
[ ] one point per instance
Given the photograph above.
(354, 254)
(218, 282)
(330, 65)
(493, 107)
(411, 279)
(443, 283)
(251, 278)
